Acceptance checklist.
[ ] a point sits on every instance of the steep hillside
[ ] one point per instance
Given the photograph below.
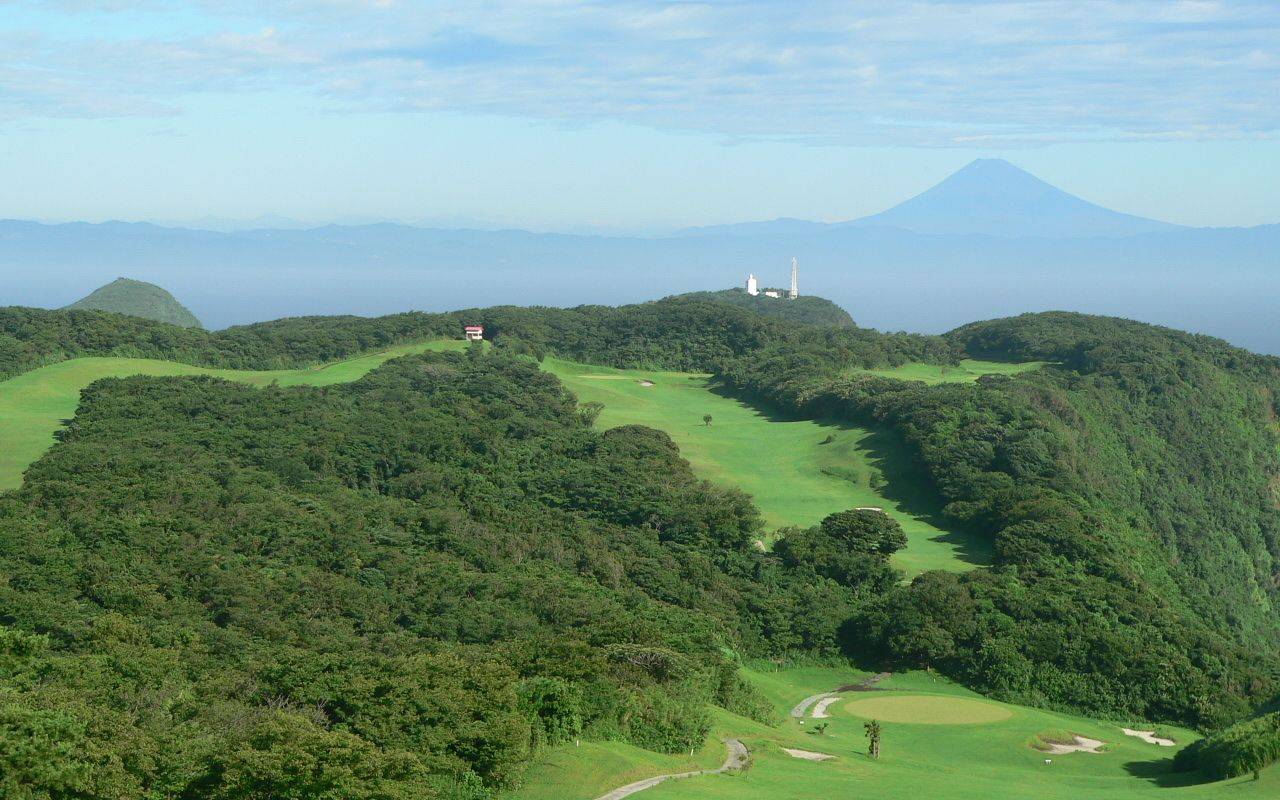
(138, 299)
(805, 309)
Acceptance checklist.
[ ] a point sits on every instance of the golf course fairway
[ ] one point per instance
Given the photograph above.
(796, 471)
(34, 404)
(943, 742)
(966, 371)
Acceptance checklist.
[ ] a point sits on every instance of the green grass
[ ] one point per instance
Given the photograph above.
(33, 405)
(968, 370)
(957, 759)
(590, 769)
(797, 472)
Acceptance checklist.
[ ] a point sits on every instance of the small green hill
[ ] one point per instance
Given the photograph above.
(138, 299)
(806, 309)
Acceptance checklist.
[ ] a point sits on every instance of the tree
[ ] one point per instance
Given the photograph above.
(873, 738)
(865, 530)
(706, 420)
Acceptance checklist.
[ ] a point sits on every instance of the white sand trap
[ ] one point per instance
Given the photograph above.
(1149, 737)
(1082, 745)
(807, 755)
(820, 709)
(645, 384)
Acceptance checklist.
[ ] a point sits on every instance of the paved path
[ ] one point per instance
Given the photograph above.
(735, 751)
(802, 707)
(735, 756)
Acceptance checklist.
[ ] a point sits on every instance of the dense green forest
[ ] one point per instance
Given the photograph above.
(680, 333)
(410, 583)
(196, 563)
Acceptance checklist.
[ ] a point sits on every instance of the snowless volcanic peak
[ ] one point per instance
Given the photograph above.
(992, 197)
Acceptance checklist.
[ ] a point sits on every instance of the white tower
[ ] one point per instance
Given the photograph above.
(753, 286)
(795, 286)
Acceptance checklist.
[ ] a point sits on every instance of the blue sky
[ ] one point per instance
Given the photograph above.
(620, 116)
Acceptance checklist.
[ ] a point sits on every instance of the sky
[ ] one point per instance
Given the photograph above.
(627, 117)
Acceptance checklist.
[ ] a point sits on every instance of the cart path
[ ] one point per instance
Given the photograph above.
(819, 702)
(802, 707)
(735, 756)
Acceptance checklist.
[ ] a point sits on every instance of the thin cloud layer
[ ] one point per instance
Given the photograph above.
(926, 73)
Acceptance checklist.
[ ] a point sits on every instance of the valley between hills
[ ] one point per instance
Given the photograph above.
(427, 569)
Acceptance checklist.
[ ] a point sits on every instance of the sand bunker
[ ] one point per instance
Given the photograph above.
(820, 709)
(645, 384)
(807, 755)
(928, 709)
(1079, 744)
(1149, 737)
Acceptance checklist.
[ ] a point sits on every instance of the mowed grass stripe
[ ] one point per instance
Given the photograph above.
(797, 472)
(33, 405)
(967, 371)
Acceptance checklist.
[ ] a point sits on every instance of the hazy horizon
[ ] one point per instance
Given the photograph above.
(628, 117)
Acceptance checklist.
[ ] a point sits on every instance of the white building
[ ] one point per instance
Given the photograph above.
(753, 284)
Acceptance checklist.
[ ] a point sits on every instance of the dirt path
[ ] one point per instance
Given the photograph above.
(735, 756)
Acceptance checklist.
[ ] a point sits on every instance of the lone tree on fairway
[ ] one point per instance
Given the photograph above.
(873, 738)
(706, 420)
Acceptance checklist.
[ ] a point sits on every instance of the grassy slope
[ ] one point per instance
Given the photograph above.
(34, 404)
(968, 761)
(794, 478)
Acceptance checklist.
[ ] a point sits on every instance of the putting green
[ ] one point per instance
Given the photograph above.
(928, 709)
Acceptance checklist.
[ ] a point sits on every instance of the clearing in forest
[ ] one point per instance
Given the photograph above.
(797, 471)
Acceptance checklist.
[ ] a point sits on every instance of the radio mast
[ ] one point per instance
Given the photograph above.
(795, 286)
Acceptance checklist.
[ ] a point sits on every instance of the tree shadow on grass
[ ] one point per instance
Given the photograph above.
(906, 484)
(1160, 772)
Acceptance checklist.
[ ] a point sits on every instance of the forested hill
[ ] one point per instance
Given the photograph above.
(805, 309)
(138, 299)
(679, 333)
(195, 563)
(409, 584)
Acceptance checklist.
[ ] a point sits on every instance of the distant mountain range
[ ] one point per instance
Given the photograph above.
(990, 240)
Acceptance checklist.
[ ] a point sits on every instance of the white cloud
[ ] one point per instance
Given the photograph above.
(925, 73)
